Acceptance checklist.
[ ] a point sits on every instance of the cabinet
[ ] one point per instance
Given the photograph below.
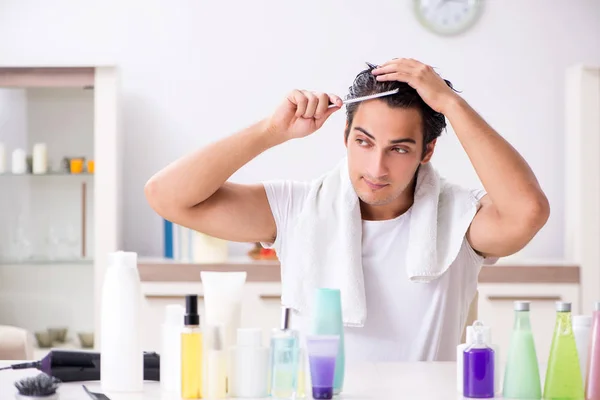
(496, 310)
(82, 101)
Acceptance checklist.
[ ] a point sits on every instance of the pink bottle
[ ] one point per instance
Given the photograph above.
(592, 382)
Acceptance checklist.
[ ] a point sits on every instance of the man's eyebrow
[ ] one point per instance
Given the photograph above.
(395, 141)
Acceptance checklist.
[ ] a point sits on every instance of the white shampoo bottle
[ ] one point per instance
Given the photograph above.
(582, 325)
(121, 354)
(249, 365)
(170, 355)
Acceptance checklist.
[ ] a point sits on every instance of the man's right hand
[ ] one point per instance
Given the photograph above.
(302, 113)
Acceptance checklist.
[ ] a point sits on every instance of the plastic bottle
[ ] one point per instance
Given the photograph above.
(216, 363)
(327, 320)
(191, 351)
(170, 356)
(592, 384)
(563, 375)
(478, 365)
(121, 369)
(522, 374)
(581, 330)
(19, 162)
(487, 334)
(283, 373)
(249, 364)
(40, 158)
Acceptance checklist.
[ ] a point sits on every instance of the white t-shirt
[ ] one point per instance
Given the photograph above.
(405, 321)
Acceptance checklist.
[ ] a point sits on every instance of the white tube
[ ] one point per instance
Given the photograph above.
(223, 301)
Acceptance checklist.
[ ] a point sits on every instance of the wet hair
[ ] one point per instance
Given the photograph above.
(366, 84)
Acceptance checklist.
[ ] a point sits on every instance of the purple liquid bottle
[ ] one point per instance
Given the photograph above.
(478, 364)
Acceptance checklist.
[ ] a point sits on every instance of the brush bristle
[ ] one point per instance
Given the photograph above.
(39, 385)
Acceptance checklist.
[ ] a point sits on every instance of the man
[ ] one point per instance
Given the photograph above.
(388, 139)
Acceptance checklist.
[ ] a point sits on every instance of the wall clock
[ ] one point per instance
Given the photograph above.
(448, 17)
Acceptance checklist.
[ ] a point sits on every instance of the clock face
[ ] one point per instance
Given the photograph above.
(448, 17)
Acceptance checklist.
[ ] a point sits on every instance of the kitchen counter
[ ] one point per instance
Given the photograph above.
(367, 381)
(508, 270)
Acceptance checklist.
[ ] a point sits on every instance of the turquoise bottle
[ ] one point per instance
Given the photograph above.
(563, 375)
(327, 320)
(522, 373)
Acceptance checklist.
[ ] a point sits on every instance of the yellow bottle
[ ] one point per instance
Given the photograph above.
(191, 351)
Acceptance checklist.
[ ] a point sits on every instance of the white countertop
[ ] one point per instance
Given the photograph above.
(381, 381)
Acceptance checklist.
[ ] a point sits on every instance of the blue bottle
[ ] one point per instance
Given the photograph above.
(478, 364)
(327, 320)
(284, 360)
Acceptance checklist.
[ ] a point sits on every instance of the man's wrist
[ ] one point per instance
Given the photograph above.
(269, 134)
(453, 105)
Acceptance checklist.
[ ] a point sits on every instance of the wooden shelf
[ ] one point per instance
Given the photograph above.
(164, 270)
(47, 77)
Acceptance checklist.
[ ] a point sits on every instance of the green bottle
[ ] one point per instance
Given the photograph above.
(522, 373)
(563, 376)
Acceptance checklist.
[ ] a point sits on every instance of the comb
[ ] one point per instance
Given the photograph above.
(369, 97)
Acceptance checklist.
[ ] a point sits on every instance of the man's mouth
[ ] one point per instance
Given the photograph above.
(373, 185)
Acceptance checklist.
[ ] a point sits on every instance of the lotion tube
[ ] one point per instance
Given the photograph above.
(223, 301)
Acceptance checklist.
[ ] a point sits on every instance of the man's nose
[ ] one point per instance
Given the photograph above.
(377, 167)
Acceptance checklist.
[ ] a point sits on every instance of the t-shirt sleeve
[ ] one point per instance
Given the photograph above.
(479, 194)
(285, 199)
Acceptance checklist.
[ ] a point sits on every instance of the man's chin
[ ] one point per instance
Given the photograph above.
(372, 200)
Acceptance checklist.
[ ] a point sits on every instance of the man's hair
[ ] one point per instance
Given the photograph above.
(366, 84)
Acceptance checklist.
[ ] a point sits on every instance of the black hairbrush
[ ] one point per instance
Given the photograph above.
(41, 386)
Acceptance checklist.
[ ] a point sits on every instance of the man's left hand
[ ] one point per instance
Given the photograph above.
(431, 87)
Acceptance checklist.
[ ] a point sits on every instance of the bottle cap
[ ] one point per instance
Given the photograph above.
(286, 314)
(122, 259)
(479, 335)
(249, 337)
(487, 332)
(581, 320)
(522, 305)
(174, 314)
(191, 310)
(562, 306)
(597, 306)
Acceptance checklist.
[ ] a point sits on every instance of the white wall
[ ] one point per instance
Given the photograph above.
(194, 72)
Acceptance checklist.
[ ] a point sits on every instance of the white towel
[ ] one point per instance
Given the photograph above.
(327, 243)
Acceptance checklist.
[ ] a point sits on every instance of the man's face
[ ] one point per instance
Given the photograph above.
(385, 148)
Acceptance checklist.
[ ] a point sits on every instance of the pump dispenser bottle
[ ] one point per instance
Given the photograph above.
(191, 351)
(284, 359)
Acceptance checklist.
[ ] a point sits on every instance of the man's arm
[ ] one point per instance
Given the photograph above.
(515, 208)
(193, 191)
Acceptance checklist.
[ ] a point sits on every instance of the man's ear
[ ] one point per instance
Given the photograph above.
(428, 151)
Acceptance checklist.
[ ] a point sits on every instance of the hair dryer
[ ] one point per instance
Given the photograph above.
(79, 366)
